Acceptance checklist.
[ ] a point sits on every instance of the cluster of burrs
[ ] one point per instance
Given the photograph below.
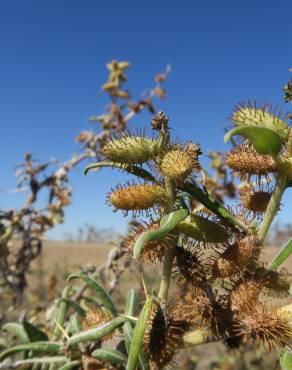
(215, 262)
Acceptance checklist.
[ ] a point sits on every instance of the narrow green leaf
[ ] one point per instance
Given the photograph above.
(143, 361)
(75, 305)
(286, 359)
(75, 324)
(17, 330)
(103, 295)
(128, 333)
(130, 308)
(41, 361)
(131, 303)
(264, 140)
(70, 365)
(109, 355)
(134, 170)
(283, 254)
(34, 333)
(53, 347)
(167, 224)
(61, 313)
(97, 333)
(138, 335)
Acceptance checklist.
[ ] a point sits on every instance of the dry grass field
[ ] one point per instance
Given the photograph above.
(72, 254)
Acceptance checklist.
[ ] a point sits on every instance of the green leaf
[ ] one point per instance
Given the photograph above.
(260, 117)
(167, 224)
(138, 335)
(264, 140)
(134, 170)
(103, 295)
(75, 324)
(283, 254)
(41, 361)
(42, 347)
(286, 359)
(128, 334)
(17, 330)
(97, 333)
(75, 305)
(130, 308)
(61, 313)
(109, 355)
(34, 333)
(131, 303)
(70, 365)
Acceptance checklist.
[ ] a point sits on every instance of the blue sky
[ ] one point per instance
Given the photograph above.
(52, 62)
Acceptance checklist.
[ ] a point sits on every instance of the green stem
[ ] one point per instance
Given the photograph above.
(273, 207)
(166, 273)
(170, 251)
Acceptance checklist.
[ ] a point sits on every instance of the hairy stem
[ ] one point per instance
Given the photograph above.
(273, 207)
(169, 252)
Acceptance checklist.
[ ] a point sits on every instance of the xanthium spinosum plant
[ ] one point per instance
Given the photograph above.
(211, 252)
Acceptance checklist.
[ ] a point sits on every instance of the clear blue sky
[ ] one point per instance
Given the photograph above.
(52, 64)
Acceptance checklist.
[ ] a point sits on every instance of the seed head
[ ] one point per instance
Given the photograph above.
(178, 164)
(163, 335)
(95, 318)
(129, 149)
(91, 363)
(153, 251)
(254, 201)
(188, 267)
(211, 314)
(136, 197)
(276, 283)
(236, 258)
(267, 327)
(246, 162)
(251, 115)
(243, 294)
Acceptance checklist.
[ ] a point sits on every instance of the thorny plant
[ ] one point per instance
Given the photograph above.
(30, 223)
(212, 252)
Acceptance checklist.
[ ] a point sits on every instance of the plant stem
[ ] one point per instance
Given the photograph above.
(170, 251)
(166, 273)
(273, 207)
